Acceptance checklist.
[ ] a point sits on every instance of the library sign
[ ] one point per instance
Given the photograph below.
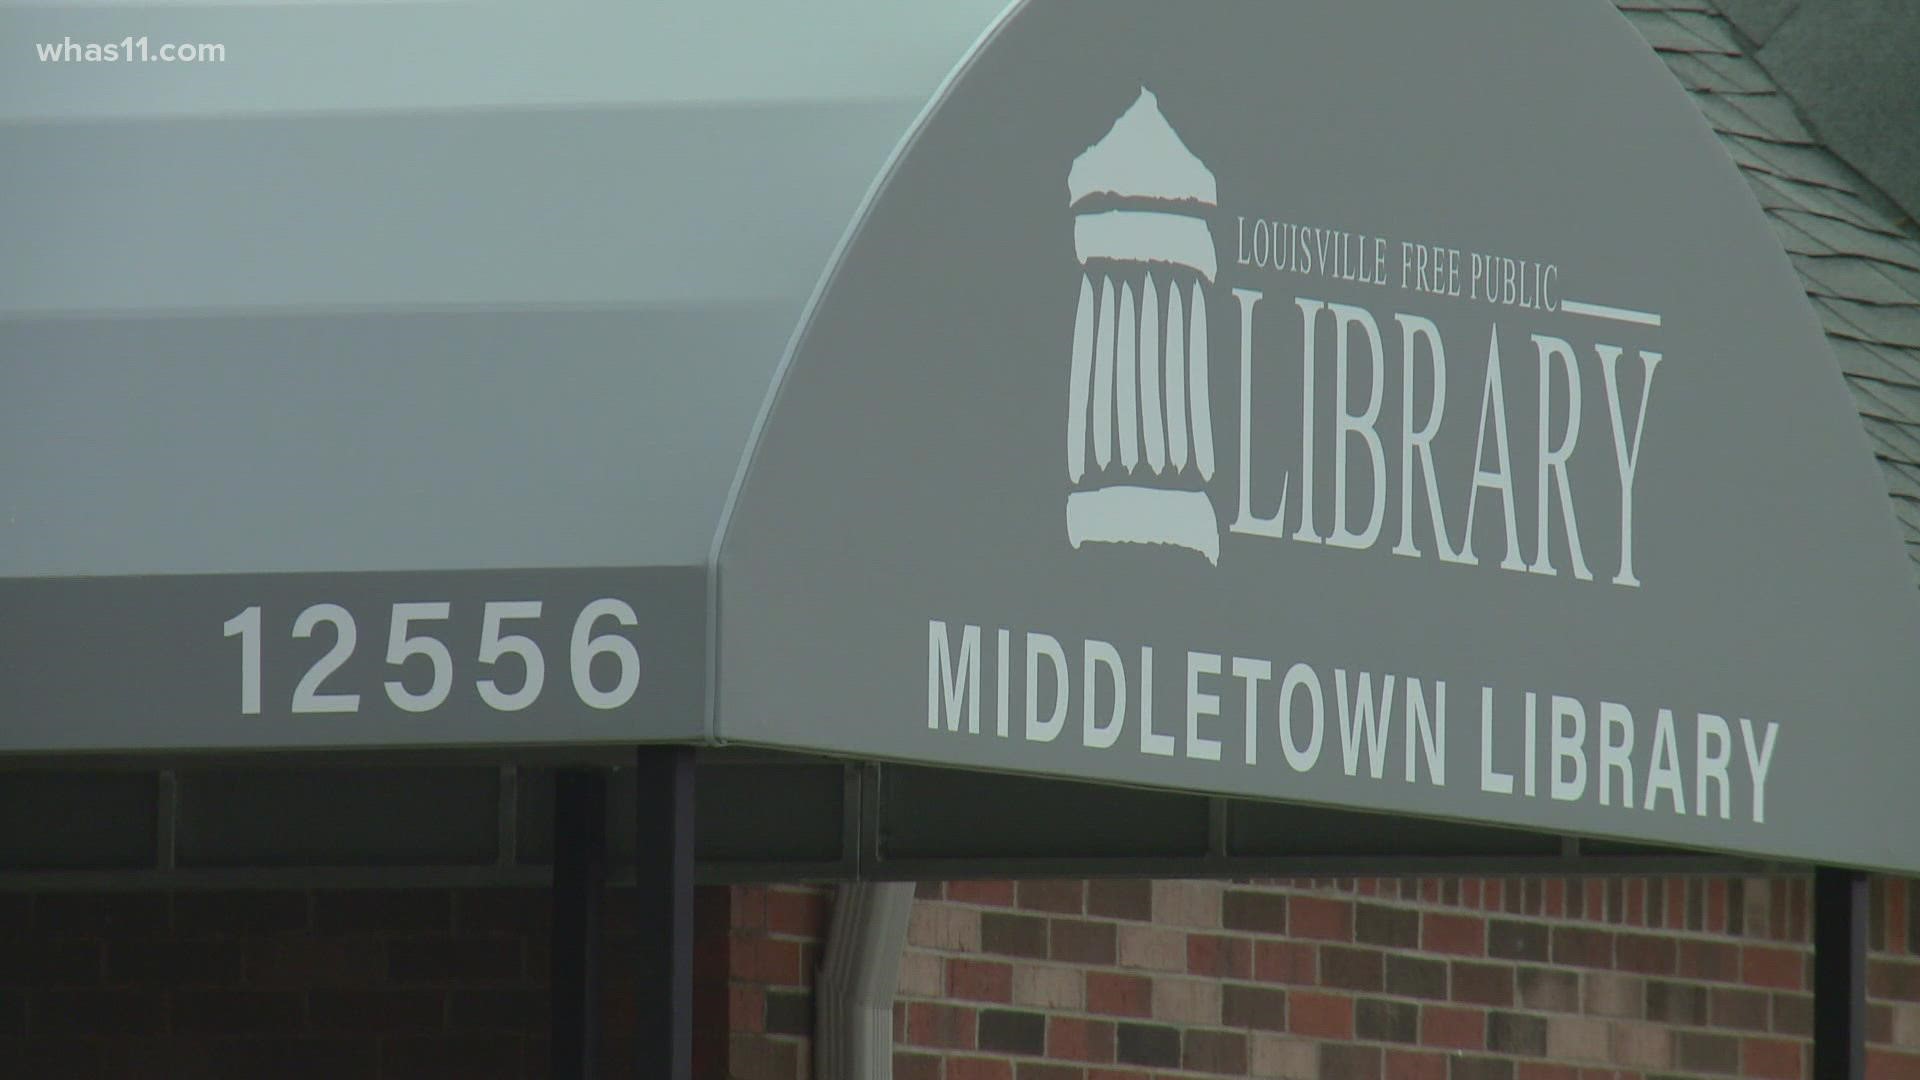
(1403, 410)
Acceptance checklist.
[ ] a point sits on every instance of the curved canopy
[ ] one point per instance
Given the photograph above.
(404, 410)
(1485, 477)
(508, 296)
(486, 322)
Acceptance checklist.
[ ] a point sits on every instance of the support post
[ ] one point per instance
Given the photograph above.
(663, 893)
(579, 873)
(1839, 975)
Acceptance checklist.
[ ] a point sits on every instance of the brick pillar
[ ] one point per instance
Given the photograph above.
(773, 963)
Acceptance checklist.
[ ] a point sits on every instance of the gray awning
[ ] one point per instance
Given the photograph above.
(426, 304)
(390, 402)
(494, 303)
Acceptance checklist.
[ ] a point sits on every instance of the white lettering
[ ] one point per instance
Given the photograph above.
(1046, 645)
(1151, 741)
(1493, 400)
(1248, 522)
(1663, 772)
(1309, 312)
(1363, 722)
(1301, 677)
(1531, 769)
(1200, 703)
(1712, 765)
(1253, 673)
(1348, 424)
(1553, 462)
(1005, 670)
(1413, 328)
(1615, 756)
(1430, 734)
(953, 682)
(1758, 764)
(1094, 735)
(1628, 460)
(1569, 746)
(1491, 779)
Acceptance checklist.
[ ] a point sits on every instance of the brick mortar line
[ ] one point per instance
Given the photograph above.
(1892, 959)
(1693, 936)
(1551, 921)
(1382, 995)
(1151, 974)
(1450, 1052)
(1114, 1018)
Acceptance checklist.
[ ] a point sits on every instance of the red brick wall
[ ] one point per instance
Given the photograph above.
(775, 939)
(1106, 980)
(1593, 979)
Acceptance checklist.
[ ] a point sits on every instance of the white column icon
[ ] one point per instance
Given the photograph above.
(1139, 411)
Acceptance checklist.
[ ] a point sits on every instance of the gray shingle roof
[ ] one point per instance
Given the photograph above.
(1861, 263)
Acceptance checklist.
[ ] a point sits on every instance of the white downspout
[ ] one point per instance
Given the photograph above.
(853, 999)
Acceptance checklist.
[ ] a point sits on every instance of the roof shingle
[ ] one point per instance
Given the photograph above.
(1861, 265)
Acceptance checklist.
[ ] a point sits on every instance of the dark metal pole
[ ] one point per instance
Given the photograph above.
(663, 880)
(1839, 975)
(579, 872)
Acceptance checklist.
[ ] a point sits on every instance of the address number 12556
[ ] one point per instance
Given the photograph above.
(410, 634)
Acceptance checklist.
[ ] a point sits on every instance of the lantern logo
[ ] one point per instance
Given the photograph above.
(1140, 448)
